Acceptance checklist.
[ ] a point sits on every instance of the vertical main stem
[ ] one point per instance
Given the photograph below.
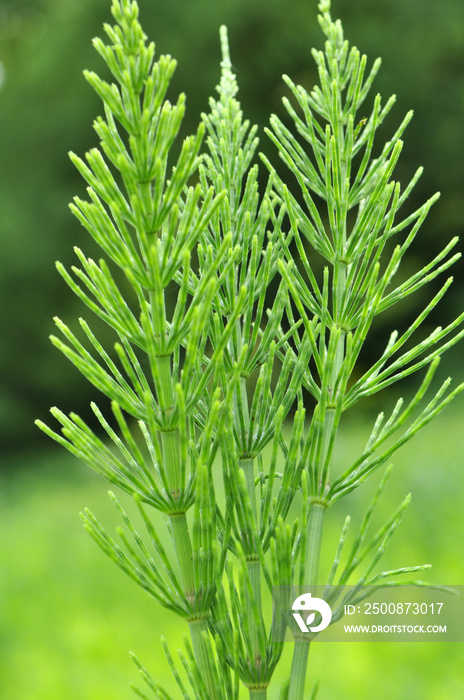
(253, 565)
(314, 539)
(247, 464)
(330, 378)
(202, 653)
(184, 553)
(301, 651)
(170, 441)
(254, 572)
(317, 513)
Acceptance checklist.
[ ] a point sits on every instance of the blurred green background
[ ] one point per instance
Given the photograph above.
(66, 618)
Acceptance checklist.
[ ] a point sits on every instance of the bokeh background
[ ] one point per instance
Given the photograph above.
(67, 618)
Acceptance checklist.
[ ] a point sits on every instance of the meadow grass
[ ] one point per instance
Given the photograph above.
(67, 619)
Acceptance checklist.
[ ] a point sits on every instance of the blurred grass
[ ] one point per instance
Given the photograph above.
(68, 617)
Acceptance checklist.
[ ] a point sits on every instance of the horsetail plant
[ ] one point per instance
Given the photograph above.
(228, 394)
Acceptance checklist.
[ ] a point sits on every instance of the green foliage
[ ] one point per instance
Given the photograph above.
(207, 368)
